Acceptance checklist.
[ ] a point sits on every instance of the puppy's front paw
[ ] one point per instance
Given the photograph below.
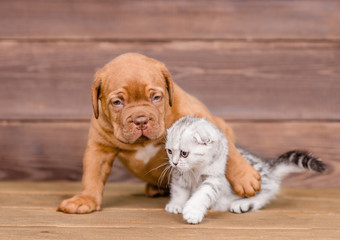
(173, 208)
(79, 204)
(192, 214)
(244, 179)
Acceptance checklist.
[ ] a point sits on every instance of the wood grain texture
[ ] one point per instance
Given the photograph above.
(46, 151)
(133, 19)
(50, 151)
(129, 195)
(103, 233)
(235, 80)
(28, 212)
(158, 218)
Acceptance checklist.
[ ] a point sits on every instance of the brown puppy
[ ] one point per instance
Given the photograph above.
(134, 101)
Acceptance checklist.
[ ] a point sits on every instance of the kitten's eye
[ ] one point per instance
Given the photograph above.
(184, 154)
(169, 151)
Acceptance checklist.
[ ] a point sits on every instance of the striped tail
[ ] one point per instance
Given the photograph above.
(301, 159)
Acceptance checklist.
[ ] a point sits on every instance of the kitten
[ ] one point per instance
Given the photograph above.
(198, 152)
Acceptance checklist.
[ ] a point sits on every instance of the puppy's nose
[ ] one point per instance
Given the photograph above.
(141, 122)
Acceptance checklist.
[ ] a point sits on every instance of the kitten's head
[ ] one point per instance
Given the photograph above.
(191, 143)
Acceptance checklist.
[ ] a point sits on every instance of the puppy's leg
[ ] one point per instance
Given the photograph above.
(155, 191)
(244, 179)
(97, 162)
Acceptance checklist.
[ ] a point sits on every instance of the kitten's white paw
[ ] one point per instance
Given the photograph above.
(192, 214)
(241, 206)
(173, 208)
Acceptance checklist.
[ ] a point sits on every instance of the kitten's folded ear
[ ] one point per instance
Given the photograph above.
(203, 137)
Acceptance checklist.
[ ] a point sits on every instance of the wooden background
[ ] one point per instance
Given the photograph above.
(270, 68)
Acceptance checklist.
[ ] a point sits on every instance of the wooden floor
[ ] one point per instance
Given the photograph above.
(28, 211)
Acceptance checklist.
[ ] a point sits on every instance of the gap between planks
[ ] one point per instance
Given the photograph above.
(169, 40)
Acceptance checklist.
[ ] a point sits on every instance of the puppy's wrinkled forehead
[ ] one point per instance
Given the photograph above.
(134, 76)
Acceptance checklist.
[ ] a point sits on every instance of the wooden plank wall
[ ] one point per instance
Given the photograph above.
(270, 68)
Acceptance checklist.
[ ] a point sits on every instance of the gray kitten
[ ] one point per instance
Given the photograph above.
(198, 153)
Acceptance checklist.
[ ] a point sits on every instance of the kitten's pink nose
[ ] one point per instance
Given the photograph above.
(141, 122)
(175, 163)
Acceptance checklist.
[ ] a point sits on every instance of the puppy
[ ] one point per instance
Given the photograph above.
(134, 101)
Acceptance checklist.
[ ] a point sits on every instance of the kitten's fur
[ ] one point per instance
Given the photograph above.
(198, 152)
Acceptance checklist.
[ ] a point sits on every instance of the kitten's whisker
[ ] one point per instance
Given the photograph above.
(162, 165)
(169, 178)
(160, 181)
(162, 176)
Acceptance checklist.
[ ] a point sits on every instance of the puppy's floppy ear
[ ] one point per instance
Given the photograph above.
(169, 83)
(95, 93)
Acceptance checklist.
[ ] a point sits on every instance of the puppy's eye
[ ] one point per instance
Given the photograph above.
(156, 98)
(184, 154)
(117, 103)
(169, 151)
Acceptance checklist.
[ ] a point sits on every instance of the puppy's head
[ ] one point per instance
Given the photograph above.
(134, 93)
